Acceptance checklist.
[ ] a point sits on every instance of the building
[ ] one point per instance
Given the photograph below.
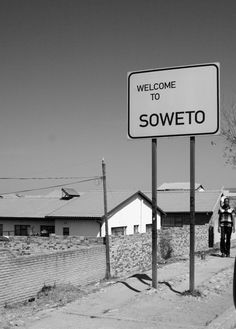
(176, 205)
(72, 213)
(132, 215)
(179, 187)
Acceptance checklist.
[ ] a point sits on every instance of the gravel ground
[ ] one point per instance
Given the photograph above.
(50, 297)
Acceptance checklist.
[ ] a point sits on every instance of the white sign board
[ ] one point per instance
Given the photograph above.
(175, 101)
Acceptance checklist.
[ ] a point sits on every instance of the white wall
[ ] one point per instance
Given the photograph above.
(137, 212)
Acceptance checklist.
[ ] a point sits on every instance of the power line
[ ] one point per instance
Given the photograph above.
(47, 178)
(53, 186)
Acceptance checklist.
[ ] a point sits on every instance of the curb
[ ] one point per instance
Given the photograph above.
(226, 320)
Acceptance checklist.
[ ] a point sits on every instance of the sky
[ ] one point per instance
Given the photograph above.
(63, 88)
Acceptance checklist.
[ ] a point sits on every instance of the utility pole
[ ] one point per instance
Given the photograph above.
(108, 268)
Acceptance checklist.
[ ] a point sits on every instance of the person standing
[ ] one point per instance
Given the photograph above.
(226, 226)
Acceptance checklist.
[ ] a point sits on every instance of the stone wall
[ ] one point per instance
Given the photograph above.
(180, 238)
(35, 245)
(130, 253)
(133, 253)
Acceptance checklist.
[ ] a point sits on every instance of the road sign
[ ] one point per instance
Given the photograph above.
(175, 101)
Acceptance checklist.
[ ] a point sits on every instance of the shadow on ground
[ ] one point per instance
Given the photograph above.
(143, 278)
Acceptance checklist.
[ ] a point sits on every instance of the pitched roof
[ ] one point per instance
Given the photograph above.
(178, 187)
(89, 204)
(179, 201)
(29, 207)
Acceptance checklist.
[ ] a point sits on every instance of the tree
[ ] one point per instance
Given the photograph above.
(228, 130)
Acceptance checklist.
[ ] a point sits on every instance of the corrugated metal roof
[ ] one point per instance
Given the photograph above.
(29, 207)
(89, 204)
(179, 201)
(177, 186)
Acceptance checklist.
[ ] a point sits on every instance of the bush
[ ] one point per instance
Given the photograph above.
(166, 249)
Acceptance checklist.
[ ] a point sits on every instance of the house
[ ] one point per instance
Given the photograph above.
(179, 187)
(21, 215)
(132, 215)
(128, 213)
(72, 213)
(176, 205)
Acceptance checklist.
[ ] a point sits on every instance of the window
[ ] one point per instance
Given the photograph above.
(118, 230)
(66, 231)
(22, 230)
(148, 228)
(1, 229)
(47, 229)
(136, 229)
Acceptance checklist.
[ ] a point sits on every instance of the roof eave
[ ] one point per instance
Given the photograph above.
(73, 217)
(188, 211)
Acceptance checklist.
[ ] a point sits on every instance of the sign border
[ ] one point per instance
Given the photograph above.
(217, 65)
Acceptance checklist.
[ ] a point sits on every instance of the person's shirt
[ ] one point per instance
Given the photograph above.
(226, 216)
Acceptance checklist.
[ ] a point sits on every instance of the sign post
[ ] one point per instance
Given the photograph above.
(192, 215)
(177, 101)
(154, 213)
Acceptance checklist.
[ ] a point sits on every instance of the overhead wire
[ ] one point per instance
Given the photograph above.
(47, 178)
(53, 186)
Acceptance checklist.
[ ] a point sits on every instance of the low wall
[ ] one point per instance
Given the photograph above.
(23, 276)
(29, 263)
(180, 238)
(36, 245)
(133, 253)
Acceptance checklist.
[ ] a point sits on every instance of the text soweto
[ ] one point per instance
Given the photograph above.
(172, 118)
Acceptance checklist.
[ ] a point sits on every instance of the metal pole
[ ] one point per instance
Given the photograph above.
(108, 270)
(154, 213)
(234, 284)
(192, 213)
